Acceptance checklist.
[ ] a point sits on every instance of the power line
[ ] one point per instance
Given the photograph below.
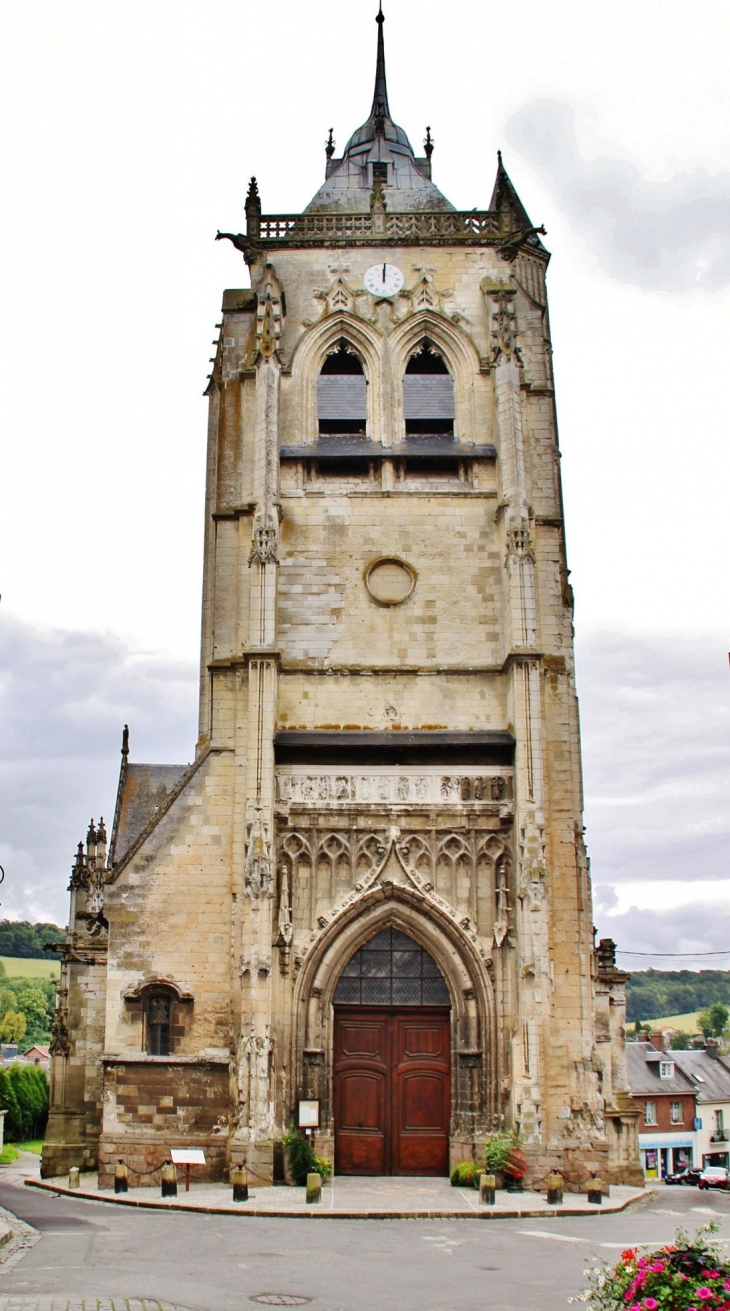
(665, 954)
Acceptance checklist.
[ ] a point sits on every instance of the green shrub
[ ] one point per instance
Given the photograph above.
(9, 1103)
(497, 1149)
(462, 1175)
(301, 1156)
(24, 1095)
(8, 1154)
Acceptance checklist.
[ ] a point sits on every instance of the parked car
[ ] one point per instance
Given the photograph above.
(713, 1176)
(689, 1175)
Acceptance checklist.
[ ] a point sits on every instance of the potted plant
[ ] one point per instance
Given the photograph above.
(496, 1150)
(300, 1159)
(684, 1276)
(462, 1175)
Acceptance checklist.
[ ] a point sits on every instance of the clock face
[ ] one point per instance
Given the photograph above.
(383, 280)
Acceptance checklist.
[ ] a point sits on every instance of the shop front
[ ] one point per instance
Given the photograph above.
(663, 1154)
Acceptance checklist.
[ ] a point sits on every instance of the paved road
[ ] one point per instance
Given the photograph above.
(217, 1263)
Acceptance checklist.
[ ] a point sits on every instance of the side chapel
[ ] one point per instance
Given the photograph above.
(370, 889)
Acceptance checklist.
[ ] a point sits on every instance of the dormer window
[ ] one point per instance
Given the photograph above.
(428, 394)
(342, 392)
(666, 1069)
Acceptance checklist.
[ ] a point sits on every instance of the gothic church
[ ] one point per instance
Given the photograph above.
(370, 890)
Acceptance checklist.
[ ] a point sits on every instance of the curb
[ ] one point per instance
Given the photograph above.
(314, 1213)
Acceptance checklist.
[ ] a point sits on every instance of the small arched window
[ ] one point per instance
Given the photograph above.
(342, 392)
(428, 393)
(158, 1023)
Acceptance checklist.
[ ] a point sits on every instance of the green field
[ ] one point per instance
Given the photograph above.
(687, 1023)
(20, 967)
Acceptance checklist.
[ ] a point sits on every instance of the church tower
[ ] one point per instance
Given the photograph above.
(370, 890)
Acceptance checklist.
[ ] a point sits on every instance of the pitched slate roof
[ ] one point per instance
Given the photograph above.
(143, 789)
(644, 1078)
(709, 1076)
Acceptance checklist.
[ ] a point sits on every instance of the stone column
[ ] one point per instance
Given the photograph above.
(525, 702)
(253, 1136)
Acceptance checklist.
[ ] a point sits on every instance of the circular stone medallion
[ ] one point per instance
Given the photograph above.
(389, 581)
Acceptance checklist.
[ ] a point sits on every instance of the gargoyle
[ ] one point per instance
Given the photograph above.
(241, 242)
(510, 245)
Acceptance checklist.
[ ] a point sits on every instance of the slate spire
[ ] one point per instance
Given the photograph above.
(506, 201)
(380, 110)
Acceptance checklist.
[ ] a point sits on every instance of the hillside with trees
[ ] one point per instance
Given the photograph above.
(20, 938)
(652, 994)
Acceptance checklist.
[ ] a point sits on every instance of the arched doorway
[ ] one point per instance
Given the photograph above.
(392, 1061)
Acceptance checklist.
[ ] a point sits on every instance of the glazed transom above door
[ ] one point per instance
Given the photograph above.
(392, 970)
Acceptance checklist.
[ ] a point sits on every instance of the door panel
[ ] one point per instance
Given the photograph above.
(392, 1091)
(421, 1094)
(360, 1093)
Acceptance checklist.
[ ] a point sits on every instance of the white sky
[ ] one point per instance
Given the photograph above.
(128, 133)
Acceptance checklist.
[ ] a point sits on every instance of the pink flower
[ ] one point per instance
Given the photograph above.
(704, 1293)
(650, 1303)
(726, 1285)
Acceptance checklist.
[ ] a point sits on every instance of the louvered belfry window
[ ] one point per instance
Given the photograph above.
(428, 393)
(392, 970)
(342, 392)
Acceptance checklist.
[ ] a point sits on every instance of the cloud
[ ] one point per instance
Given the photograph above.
(662, 236)
(694, 927)
(655, 717)
(64, 697)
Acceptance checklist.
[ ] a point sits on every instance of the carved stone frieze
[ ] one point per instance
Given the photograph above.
(391, 787)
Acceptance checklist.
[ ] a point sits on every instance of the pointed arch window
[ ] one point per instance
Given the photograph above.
(392, 970)
(428, 393)
(342, 392)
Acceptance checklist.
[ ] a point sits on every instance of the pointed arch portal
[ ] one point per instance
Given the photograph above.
(392, 1065)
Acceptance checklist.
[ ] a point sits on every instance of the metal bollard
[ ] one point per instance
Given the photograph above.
(314, 1188)
(555, 1188)
(121, 1177)
(168, 1179)
(239, 1179)
(595, 1188)
(487, 1190)
(74, 1177)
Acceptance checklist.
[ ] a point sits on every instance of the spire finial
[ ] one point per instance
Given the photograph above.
(329, 148)
(428, 144)
(125, 742)
(380, 109)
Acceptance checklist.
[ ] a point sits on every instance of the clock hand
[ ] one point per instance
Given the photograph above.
(384, 268)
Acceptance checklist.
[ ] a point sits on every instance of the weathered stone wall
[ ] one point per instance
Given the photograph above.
(151, 1106)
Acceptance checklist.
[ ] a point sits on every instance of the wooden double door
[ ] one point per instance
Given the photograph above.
(392, 1090)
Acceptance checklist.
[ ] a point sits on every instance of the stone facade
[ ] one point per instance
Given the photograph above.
(360, 763)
